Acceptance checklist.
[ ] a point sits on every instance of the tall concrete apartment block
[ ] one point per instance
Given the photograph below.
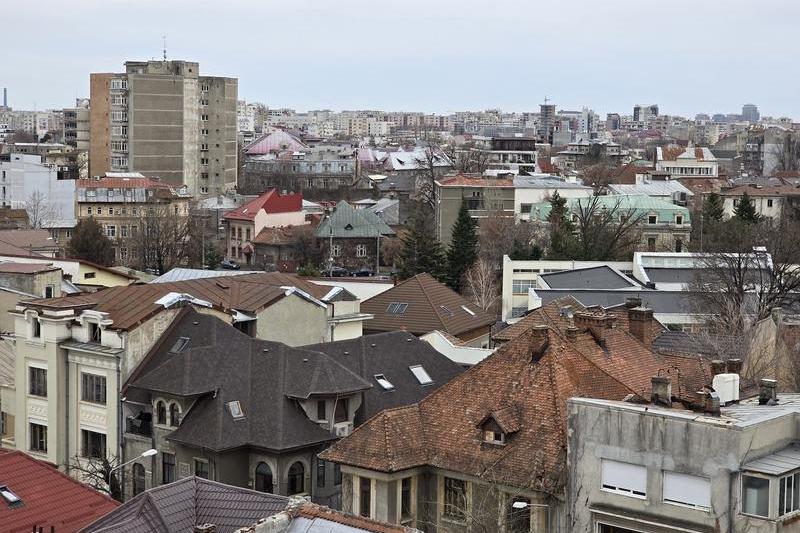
(161, 118)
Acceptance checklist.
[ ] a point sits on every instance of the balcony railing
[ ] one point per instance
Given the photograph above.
(138, 426)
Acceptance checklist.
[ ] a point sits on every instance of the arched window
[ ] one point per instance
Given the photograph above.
(297, 477)
(174, 415)
(161, 413)
(264, 478)
(138, 479)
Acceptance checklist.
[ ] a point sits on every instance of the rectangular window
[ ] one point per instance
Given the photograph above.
(755, 496)
(320, 473)
(525, 209)
(38, 442)
(684, 489)
(405, 499)
(521, 286)
(336, 250)
(679, 220)
(201, 468)
(337, 474)
(421, 374)
(111, 231)
(167, 468)
(652, 219)
(769, 202)
(364, 496)
(93, 388)
(361, 250)
(321, 411)
(455, 498)
(123, 230)
(624, 478)
(789, 494)
(37, 382)
(93, 444)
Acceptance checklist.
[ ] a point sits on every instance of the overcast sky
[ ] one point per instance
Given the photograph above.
(689, 56)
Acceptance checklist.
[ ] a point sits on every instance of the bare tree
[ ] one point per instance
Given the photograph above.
(41, 213)
(502, 235)
(163, 239)
(480, 285)
(787, 154)
(430, 165)
(606, 231)
(100, 473)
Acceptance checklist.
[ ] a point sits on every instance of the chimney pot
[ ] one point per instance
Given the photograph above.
(661, 391)
(718, 366)
(540, 332)
(734, 366)
(632, 302)
(572, 332)
(768, 394)
(711, 402)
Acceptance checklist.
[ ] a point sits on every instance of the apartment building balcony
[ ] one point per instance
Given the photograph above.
(139, 425)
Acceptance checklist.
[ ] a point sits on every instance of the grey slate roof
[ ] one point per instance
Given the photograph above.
(391, 354)
(672, 275)
(219, 365)
(348, 222)
(681, 342)
(658, 301)
(601, 277)
(178, 507)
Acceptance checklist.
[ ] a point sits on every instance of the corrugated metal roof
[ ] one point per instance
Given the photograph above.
(777, 463)
(654, 188)
(352, 223)
(185, 274)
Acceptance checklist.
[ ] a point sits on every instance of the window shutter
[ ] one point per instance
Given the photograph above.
(624, 477)
(686, 489)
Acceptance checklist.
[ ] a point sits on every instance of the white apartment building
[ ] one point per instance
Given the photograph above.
(24, 179)
(690, 162)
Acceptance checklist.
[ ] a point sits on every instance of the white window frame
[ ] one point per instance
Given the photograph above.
(421, 374)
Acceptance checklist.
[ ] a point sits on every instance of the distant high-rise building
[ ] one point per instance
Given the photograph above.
(750, 113)
(547, 122)
(161, 118)
(613, 121)
(643, 113)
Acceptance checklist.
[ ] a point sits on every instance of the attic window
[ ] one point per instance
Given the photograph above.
(10, 498)
(421, 374)
(446, 310)
(397, 308)
(383, 382)
(179, 345)
(468, 310)
(348, 227)
(494, 437)
(236, 409)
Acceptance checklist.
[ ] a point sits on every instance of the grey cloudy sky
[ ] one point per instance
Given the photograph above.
(688, 56)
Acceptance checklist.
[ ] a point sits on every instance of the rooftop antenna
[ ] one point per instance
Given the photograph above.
(546, 99)
(164, 39)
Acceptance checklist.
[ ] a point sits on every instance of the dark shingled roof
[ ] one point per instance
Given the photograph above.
(178, 507)
(600, 277)
(220, 364)
(391, 354)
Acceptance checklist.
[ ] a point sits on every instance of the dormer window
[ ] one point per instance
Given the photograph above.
(11, 499)
(494, 437)
(497, 426)
(36, 328)
(95, 334)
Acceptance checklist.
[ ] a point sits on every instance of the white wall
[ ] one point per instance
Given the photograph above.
(24, 175)
(523, 195)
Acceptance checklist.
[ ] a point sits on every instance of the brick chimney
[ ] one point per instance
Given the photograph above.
(632, 302)
(541, 340)
(596, 323)
(711, 402)
(733, 366)
(640, 324)
(661, 391)
(718, 366)
(768, 394)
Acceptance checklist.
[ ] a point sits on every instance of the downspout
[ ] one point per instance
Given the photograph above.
(120, 432)
(66, 414)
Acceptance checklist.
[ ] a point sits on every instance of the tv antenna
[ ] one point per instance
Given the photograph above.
(164, 40)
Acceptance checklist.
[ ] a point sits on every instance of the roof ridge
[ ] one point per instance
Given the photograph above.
(428, 297)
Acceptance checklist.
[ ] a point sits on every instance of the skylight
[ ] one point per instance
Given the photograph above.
(383, 382)
(397, 308)
(468, 310)
(179, 345)
(446, 310)
(236, 409)
(9, 496)
(421, 374)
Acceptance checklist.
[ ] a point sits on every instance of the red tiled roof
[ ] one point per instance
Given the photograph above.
(671, 153)
(626, 175)
(546, 166)
(532, 377)
(271, 202)
(49, 498)
(276, 236)
(775, 190)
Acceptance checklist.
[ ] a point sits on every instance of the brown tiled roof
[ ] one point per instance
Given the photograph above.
(546, 166)
(130, 305)
(431, 305)
(462, 180)
(533, 376)
(777, 190)
(671, 153)
(276, 236)
(704, 185)
(626, 175)
(544, 315)
(25, 268)
(28, 239)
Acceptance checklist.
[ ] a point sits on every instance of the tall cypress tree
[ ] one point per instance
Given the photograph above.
(745, 210)
(713, 210)
(421, 251)
(562, 230)
(463, 250)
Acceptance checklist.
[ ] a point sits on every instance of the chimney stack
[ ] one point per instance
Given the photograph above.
(572, 332)
(205, 528)
(718, 366)
(541, 338)
(640, 324)
(661, 391)
(632, 302)
(711, 402)
(734, 366)
(596, 323)
(768, 395)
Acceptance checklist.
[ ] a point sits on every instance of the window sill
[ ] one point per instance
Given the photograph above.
(689, 506)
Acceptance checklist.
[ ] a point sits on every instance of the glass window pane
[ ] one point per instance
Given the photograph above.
(755, 495)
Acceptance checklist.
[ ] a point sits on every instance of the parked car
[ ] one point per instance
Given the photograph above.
(363, 272)
(337, 272)
(229, 264)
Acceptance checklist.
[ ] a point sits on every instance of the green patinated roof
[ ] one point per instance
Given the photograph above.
(352, 223)
(644, 205)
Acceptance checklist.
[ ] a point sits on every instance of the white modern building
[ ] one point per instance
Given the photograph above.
(25, 181)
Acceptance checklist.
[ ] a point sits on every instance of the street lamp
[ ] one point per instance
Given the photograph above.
(147, 453)
(519, 505)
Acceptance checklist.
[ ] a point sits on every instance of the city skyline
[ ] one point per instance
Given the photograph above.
(445, 56)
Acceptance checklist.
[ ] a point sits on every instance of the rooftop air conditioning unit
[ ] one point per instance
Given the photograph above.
(343, 429)
(727, 387)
